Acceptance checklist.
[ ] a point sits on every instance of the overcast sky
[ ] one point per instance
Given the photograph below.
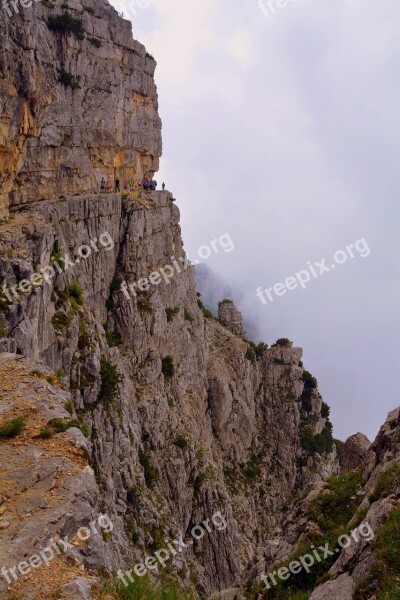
(282, 128)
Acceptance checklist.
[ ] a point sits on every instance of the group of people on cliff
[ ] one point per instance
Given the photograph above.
(131, 184)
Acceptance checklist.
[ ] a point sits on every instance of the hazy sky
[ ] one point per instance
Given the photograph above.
(283, 129)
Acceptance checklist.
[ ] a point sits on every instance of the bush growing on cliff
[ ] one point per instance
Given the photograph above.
(66, 23)
(95, 42)
(11, 429)
(75, 293)
(168, 368)
(250, 355)
(110, 380)
(67, 79)
(387, 482)
(322, 443)
(150, 474)
(282, 343)
(144, 589)
(325, 410)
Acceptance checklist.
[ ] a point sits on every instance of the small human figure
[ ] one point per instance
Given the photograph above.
(130, 183)
(108, 185)
(117, 183)
(163, 186)
(125, 185)
(103, 185)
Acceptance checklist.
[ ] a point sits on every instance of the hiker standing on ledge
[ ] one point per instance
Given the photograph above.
(163, 186)
(117, 188)
(103, 185)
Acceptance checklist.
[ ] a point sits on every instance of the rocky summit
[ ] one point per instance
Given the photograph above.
(149, 449)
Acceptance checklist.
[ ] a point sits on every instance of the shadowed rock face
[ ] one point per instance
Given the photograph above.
(73, 110)
(354, 452)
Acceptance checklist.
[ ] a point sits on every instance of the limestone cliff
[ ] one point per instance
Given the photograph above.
(78, 102)
(121, 395)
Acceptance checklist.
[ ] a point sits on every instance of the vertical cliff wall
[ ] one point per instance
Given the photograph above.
(77, 102)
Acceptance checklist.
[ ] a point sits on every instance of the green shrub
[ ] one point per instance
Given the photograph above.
(322, 443)
(46, 433)
(95, 42)
(337, 502)
(260, 349)
(66, 23)
(279, 361)
(310, 384)
(75, 293)
(171, 313)
(62, 320)
(12, 428)
(168, 368)
(144, 305)
(387, 482)
(150, 474)
(47, 3)
(88, 9)
(339, 448)
(110, 380)
(115, 284)
(188, 316)
(113, 338)
(325, 410)
(181, 441)
(283, 343)
(250, 355)
(67, 79)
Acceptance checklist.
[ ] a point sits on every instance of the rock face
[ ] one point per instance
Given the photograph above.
(231, 318)
(75, 107)
(136, 404)
(354, 452)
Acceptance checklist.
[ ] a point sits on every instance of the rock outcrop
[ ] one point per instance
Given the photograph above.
(354, 452)
(231, 318)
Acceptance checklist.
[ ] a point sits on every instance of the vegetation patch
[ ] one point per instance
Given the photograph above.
(282, 343)
(181, 442)
(322, 443)
(95, 42)
(382, 582)
(250, 354)
(110, 380)
(12, 428)
(171, 313)
(150, 474)
(67, 79)
(188, 316)
(387, 483)
(168, 368)
(66, 23)
(144, 589)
